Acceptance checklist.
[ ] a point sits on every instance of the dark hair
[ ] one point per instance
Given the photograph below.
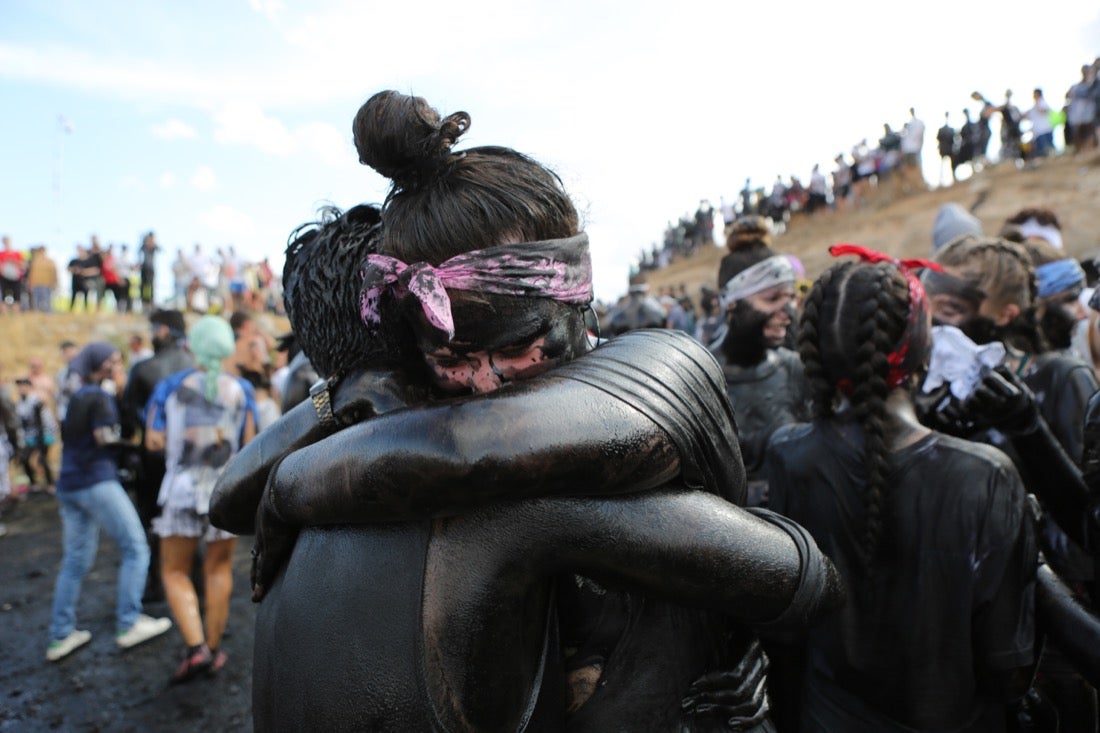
(853, 318)
(238, 319)
(321, 284)
(444, 203)
(1041, 215)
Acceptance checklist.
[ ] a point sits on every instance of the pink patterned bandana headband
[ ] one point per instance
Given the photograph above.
(559, 269)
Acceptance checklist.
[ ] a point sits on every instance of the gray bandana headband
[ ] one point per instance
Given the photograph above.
(773, 271)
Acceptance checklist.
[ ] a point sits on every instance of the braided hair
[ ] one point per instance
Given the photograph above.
(1005, 272)
(853, 319)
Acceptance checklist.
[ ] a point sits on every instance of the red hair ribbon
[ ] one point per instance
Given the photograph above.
(873, 256)
(918, 306)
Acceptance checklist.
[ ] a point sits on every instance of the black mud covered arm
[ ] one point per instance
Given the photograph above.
(1068, 624)
(696, 549)
(359, 396)
(631, 415)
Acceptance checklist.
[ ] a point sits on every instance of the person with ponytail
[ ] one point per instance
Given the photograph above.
(931, 533)
(200, 418)
(434, 546)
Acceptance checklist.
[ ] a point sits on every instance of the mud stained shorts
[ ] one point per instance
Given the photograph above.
(188, 523)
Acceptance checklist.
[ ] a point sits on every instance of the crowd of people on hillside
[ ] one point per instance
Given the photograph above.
(1026, 137)
(109, 278)
(866, 502)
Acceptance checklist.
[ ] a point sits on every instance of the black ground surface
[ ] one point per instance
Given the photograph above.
(99, 687)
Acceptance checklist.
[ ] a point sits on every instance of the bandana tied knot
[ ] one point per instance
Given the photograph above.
(559, 269)
(900, 358)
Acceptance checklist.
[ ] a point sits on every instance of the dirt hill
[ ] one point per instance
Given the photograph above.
(25, 336)
(902, 224)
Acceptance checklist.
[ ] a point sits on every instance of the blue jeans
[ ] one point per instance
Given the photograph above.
(40, 298)
(1044, 144)
(83, 512)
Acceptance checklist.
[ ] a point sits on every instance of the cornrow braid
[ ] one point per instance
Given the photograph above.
(854, 317)
(809, 330)
(882, 323)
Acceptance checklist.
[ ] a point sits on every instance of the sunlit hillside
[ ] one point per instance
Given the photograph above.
(902, 224)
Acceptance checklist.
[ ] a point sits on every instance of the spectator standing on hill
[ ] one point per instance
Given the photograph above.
(90, 498)
(41, 279)
(945, 144)
(912, 140)
(12, 269)
(1042, 131)
(148, 259)
(77, 284)
(93, 273)
(1081, 116)
(818, 198)
(1010, 129)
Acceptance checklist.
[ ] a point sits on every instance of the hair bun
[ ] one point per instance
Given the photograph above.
(404, 138)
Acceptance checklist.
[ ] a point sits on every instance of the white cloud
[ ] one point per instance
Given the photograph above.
(270, 9)
(167, 179)
(132, 183)
(174, 130)
(326, 143)
(244, 122)
(204, 178)
(229, 222)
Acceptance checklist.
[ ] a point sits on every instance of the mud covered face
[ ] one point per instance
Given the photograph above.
(776, 304)
(498, 340)
(952, 299)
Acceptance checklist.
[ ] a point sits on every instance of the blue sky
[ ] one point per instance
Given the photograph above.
(229, 122)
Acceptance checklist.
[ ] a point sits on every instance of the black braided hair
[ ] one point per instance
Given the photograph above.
(852, 320)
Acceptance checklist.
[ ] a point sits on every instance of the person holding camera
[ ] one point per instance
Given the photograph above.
(200, 418)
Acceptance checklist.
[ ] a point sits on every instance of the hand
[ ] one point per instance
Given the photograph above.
(1005, 402)
(941, 411)
(274, 542)
(736, 696)
(352, 396)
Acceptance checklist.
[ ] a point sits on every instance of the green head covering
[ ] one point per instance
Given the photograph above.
(211, 340)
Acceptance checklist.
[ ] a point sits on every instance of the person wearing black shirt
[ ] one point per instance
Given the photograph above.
(931, 533)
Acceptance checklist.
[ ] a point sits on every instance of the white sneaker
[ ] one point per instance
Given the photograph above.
(144, 629)
(61, 648)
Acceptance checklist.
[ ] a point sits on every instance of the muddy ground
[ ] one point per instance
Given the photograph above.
(99, 687)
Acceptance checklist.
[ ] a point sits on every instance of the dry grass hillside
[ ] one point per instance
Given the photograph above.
(902, 224)
(25, 336)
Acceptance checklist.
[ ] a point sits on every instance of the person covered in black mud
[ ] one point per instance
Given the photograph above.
(989, 289)
(932, 533)
(455, 576)
(764, 381)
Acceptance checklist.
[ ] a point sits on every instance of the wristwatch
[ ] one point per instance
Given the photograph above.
(321, 397)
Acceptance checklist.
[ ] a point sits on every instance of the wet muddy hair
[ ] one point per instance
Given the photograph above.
(1005, 272)
(321, 284)
(853, 318)
(444, 203)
